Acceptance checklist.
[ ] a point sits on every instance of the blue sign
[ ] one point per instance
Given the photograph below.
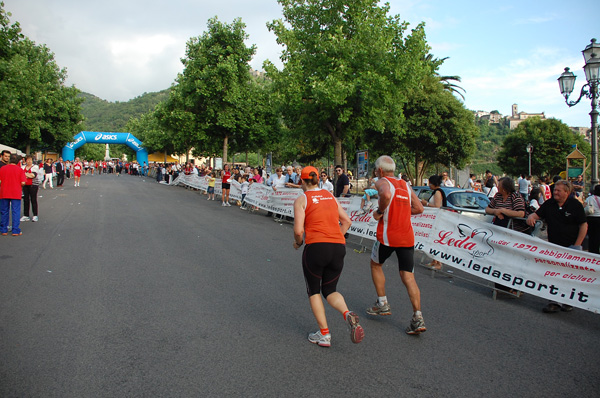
(94, 137)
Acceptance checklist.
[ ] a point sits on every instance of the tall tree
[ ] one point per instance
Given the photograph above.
(552, 141)
(438, 129)
(215, 84)
(37, 110)
(347, 66)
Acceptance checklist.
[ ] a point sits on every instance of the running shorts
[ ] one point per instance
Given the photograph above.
(406, 255)
(322, 264)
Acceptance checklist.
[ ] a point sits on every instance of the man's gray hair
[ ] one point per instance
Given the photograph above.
(567, 184)
(385, 163)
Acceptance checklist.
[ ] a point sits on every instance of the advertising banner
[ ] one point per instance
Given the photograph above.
(496, 254)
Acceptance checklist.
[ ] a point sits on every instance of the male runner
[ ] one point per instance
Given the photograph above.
(77, 167)
(397, 201)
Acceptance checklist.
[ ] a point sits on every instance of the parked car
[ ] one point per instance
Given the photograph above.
(468, 202)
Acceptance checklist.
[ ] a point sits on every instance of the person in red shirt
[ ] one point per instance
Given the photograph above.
(225, 185)
(77, 168)
(322, 222)
(12, 179)
(397, 201)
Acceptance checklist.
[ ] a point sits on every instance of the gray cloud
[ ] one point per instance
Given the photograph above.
(118, 50)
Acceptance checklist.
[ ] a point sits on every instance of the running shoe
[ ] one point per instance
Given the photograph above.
(223, 204)
(379, 309)
(35, 218)
(25, 218)
(227, 204)
(357, 333)
(417, 325)
(318, 338)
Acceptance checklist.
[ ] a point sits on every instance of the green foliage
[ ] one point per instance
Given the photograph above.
(101, 115)
(552, 141)
(215, 92)
(347, 67)
(38, 110)
(437, 130)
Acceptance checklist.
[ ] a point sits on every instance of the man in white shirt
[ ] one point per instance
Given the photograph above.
(524, 187)
(325, 183)
(278, 179)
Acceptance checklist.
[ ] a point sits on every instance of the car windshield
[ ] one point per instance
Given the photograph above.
(468, 200)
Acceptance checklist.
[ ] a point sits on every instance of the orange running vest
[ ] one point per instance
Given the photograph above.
(322, 221)
(395, 226)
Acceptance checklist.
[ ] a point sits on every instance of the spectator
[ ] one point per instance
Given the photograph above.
(371, 191)
(446, 182)
(567, 225)
(30, 189)
(470, 182)
(438, 200)
(592, 209)
(12, 179)
(534, 198)
(507, 204)
(211, 186)
(524, 186)
(325, 183)
(278, 180)
(48, 171)
(578, 185)
(244, 188)
(5, 158)
(257, 177)
(342, 185)
(292, 179)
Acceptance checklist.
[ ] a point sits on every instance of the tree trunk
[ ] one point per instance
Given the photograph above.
(337, 151)
(225, 141)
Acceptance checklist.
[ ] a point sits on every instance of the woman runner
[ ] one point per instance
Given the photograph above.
(317, 218)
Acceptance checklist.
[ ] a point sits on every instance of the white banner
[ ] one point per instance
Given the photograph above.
(496, 254)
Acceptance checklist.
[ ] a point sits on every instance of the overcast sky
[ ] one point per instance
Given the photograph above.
(505, 52)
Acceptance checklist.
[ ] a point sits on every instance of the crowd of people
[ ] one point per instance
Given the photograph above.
(320, 223)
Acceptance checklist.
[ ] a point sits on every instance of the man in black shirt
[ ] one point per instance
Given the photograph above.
(567, 224)
(342, 185)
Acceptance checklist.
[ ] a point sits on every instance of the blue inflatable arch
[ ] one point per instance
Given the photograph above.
(94, 137)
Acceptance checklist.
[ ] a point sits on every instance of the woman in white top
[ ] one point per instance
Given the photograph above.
(535, 198)
(592, 209)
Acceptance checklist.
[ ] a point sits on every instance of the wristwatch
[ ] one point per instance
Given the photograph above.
(379, 212)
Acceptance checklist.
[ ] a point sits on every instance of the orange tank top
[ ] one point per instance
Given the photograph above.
(321, 218)
(395, 227)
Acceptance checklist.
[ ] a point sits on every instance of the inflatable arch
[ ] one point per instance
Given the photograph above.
(94, 137)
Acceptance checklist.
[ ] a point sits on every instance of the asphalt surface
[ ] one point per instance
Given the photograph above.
(128, 288)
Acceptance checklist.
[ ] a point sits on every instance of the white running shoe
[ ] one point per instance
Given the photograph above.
(35, 218)
(25, 218)
(227, 204)
(223, 204)
(318, 338)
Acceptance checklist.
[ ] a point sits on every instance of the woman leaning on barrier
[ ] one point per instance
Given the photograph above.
(507, 204)
(437, 199)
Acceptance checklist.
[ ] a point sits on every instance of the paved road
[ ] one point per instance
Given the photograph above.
(128, 288)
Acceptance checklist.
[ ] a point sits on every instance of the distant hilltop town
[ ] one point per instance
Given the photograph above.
(517, 117)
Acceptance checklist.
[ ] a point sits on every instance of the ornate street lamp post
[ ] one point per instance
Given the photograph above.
(566, 82)
(529, 150)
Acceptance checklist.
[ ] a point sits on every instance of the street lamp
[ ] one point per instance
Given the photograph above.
(566, 82)
(529, 150)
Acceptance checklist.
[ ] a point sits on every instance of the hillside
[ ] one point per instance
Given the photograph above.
(101, 115)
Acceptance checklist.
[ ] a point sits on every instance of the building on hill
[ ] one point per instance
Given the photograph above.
(492, 117)
(517, 117)
(584, 131)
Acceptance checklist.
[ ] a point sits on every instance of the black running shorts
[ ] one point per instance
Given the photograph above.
(322, 264)
(406, 255)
